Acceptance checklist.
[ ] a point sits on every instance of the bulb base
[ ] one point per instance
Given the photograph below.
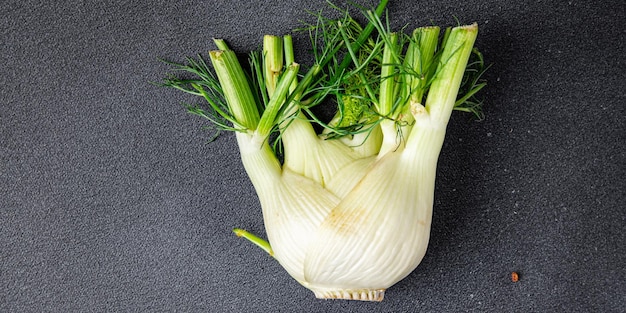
(357, 294)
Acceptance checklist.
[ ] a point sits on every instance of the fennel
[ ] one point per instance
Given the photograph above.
(348, 210)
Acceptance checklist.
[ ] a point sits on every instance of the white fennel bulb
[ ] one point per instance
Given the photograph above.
(347, 211)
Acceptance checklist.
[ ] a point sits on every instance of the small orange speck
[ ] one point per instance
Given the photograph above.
(514, 277)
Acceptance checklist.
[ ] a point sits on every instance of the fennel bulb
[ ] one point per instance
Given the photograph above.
(348, 211)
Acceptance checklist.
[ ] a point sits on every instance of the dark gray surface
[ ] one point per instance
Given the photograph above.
(110, 200)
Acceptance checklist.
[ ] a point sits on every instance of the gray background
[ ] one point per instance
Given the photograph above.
(111, 199)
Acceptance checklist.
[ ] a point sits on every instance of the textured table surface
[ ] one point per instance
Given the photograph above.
(112, 201)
